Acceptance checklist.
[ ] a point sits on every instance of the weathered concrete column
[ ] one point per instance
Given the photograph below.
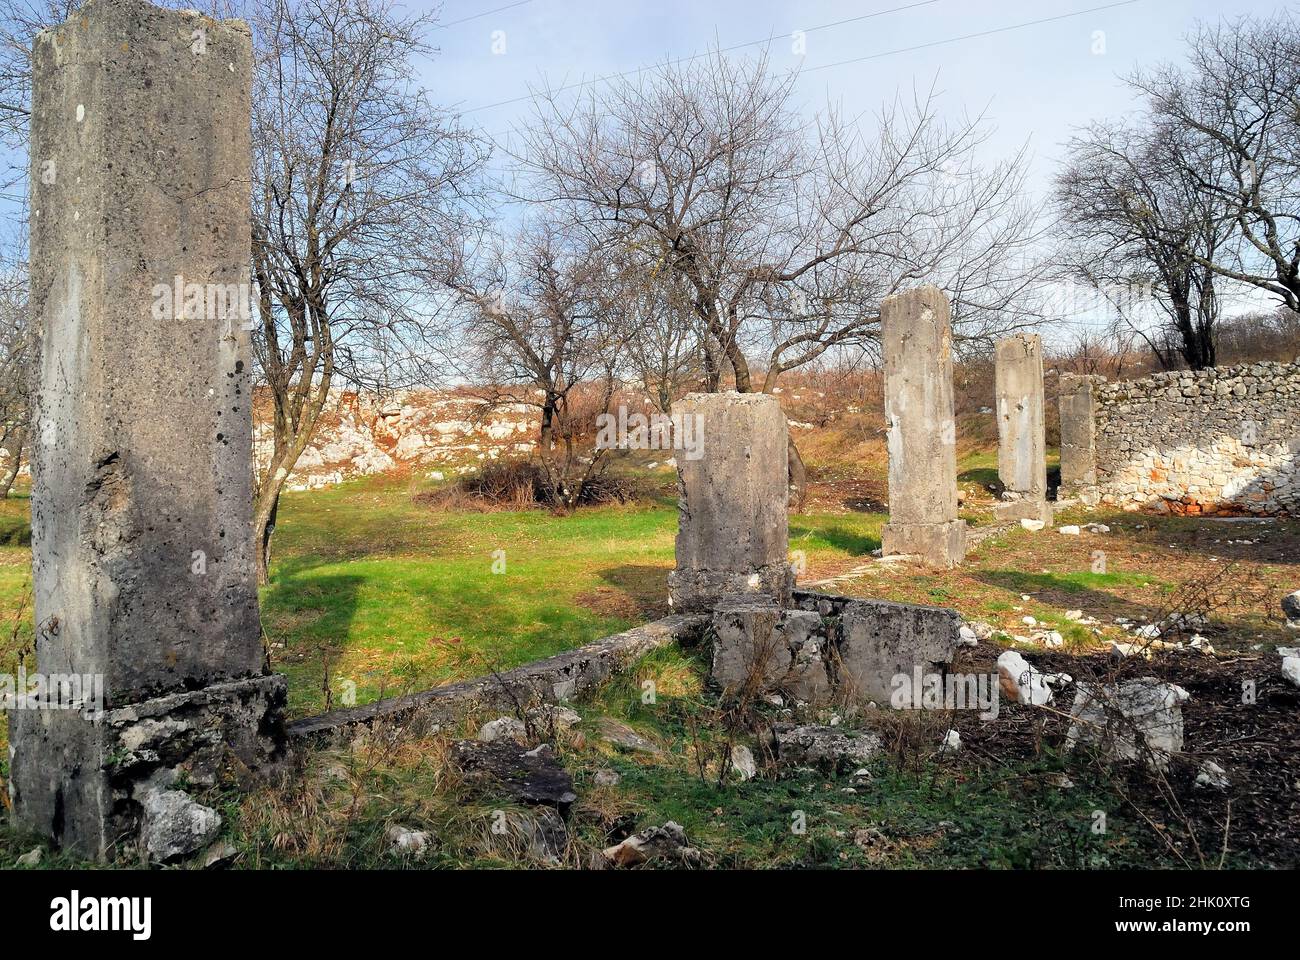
(733, 526)
(141, 507)
(1022, 442)
(921, 432)
(1077, 407)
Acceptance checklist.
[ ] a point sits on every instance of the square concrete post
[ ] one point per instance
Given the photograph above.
(1022, 442)
(921, 433)
(733, 525)
(1077, 406)
(141, 469)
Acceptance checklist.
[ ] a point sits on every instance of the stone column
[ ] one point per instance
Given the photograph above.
(733, 487)
(141, 504)
(921, 433)
(1022, 444)
(1077, 406)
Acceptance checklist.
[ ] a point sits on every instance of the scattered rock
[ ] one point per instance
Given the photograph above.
(32, 857)
(1291, 670)
(545, 833)
(1074, 616)
(529, 776)
(553, 717)
(504, 728)
(1029, 524)
(1029, 621)
(1020, 682)
(405, 841)
(742, 762)
(1069, 530)
(825, 747)
(1291, 606)
(606, 778)
(220, 855)
(174, 825)
(983, 631)
(621, 735)
(951, 742)
(1212, 776)
(1051, 638)
(966, 636)
(654, 843)
(1130, 720)
(1121, 651)
(1201, 644)
(1097, 528)
(1149, 632)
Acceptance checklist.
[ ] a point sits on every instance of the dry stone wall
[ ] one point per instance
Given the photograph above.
(1217, 441)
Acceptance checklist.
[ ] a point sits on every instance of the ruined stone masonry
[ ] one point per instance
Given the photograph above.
(1217, 441)
(921, 432)
(1077, 407)
(141, 506)
(1022, 444)
(733, 531)
(767, 637)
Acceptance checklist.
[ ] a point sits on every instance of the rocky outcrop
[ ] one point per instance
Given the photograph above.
(440, 434)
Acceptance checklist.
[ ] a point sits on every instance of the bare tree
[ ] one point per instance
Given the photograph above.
(15, 374)
(784, 232)
(539, 323)
(1237, 106)
(354, 173)
(1140, 231)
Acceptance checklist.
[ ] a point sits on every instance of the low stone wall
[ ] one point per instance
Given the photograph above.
(562, 677)
(1217, 441)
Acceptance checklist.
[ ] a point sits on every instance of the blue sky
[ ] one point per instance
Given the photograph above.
(1034, 82)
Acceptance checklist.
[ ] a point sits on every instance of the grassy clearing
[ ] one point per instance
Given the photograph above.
(373, 587)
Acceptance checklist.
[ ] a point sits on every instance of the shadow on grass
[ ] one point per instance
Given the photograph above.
(15, 531)
(984, 476)
(645, 587)
(850, 541)
(1083, 591)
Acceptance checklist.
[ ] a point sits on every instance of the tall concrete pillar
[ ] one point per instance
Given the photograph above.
(1022, 442)
(1077, 406)
(732, 533)
(921, 433)
(141, 503)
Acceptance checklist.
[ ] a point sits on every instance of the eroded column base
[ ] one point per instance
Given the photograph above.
(1028, 509)
(699, 591)
(937, 544)
(79, 778)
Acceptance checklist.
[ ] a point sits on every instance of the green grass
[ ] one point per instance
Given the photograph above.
(372, 587)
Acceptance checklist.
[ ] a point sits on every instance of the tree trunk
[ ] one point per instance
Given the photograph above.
(798, 476)
(9, 472)
(264, 513)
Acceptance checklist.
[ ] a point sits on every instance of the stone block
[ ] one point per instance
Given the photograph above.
(880, 640)
(733, 533)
